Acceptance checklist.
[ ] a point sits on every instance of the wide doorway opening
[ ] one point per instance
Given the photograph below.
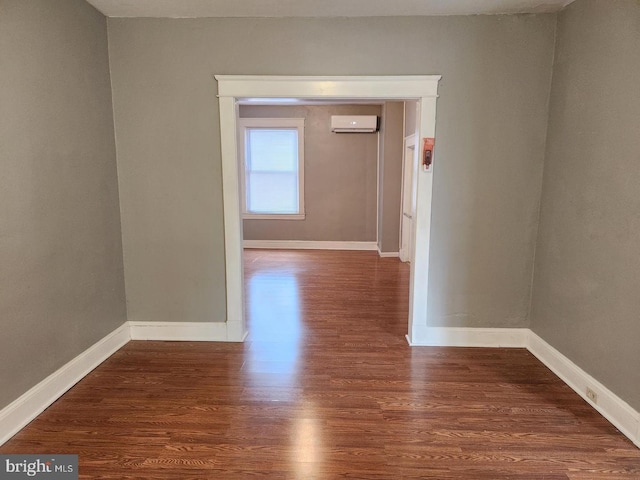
(234, 89)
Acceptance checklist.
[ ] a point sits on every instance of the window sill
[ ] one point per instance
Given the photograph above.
(292, 216)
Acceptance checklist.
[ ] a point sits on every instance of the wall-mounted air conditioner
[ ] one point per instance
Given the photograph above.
(354, 123)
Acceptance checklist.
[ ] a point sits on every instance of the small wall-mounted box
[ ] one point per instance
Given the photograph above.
(354, 123)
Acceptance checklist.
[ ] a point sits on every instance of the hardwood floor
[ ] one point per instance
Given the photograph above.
(326, 387)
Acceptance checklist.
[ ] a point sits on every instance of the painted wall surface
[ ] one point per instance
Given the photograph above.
(340, 178)
(390, 181)
(61, 281)
(492, 114)
(585, 297)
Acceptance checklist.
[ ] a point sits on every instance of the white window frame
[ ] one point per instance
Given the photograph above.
(274, 123)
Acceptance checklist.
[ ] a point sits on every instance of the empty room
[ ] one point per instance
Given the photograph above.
(342, 239)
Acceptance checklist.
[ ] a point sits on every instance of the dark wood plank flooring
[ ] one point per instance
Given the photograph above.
(326, 387)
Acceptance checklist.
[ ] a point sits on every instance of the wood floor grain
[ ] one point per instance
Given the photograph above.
(326, 387)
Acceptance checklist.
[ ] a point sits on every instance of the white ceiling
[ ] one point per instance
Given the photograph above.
(319, 8)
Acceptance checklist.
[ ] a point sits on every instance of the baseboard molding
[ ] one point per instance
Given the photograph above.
(308, 245)
(28, 406)
(468, 337)
(389, 254)
(180, 331)
(609, 405)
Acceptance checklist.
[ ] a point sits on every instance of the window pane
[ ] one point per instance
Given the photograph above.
(272, 170)
(272, 150)
(272, 192)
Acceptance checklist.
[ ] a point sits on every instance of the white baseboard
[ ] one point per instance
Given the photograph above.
(28, 406)
(468, 337)
(180, 331)
(309, 245)
(610, 406)
(389, 254)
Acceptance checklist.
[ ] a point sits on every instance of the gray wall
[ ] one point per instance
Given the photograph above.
(340, 175)
(390, 179)
(61, 286)
(585, 299)
(492, 115)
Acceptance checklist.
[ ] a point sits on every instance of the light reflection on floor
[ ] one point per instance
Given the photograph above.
(274, 359)
(275, 341)
(274, 306)
(307, 444)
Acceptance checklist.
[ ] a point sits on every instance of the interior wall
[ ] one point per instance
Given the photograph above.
(390, 178)
(491, 130)
(62, 286)
(585, 297)
(340, 175)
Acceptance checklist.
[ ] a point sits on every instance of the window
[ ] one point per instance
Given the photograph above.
(272, 154)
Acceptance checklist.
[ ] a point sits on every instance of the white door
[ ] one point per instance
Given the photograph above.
(409, 167)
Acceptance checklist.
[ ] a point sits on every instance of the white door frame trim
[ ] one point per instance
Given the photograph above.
(409, 142)
(231, 87)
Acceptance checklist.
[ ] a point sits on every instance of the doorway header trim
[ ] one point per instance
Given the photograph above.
(269, 86)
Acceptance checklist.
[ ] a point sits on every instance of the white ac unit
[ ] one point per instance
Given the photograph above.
(354, 123)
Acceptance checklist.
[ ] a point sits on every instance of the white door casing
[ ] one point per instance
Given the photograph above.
(424, 88)
(408, 204)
